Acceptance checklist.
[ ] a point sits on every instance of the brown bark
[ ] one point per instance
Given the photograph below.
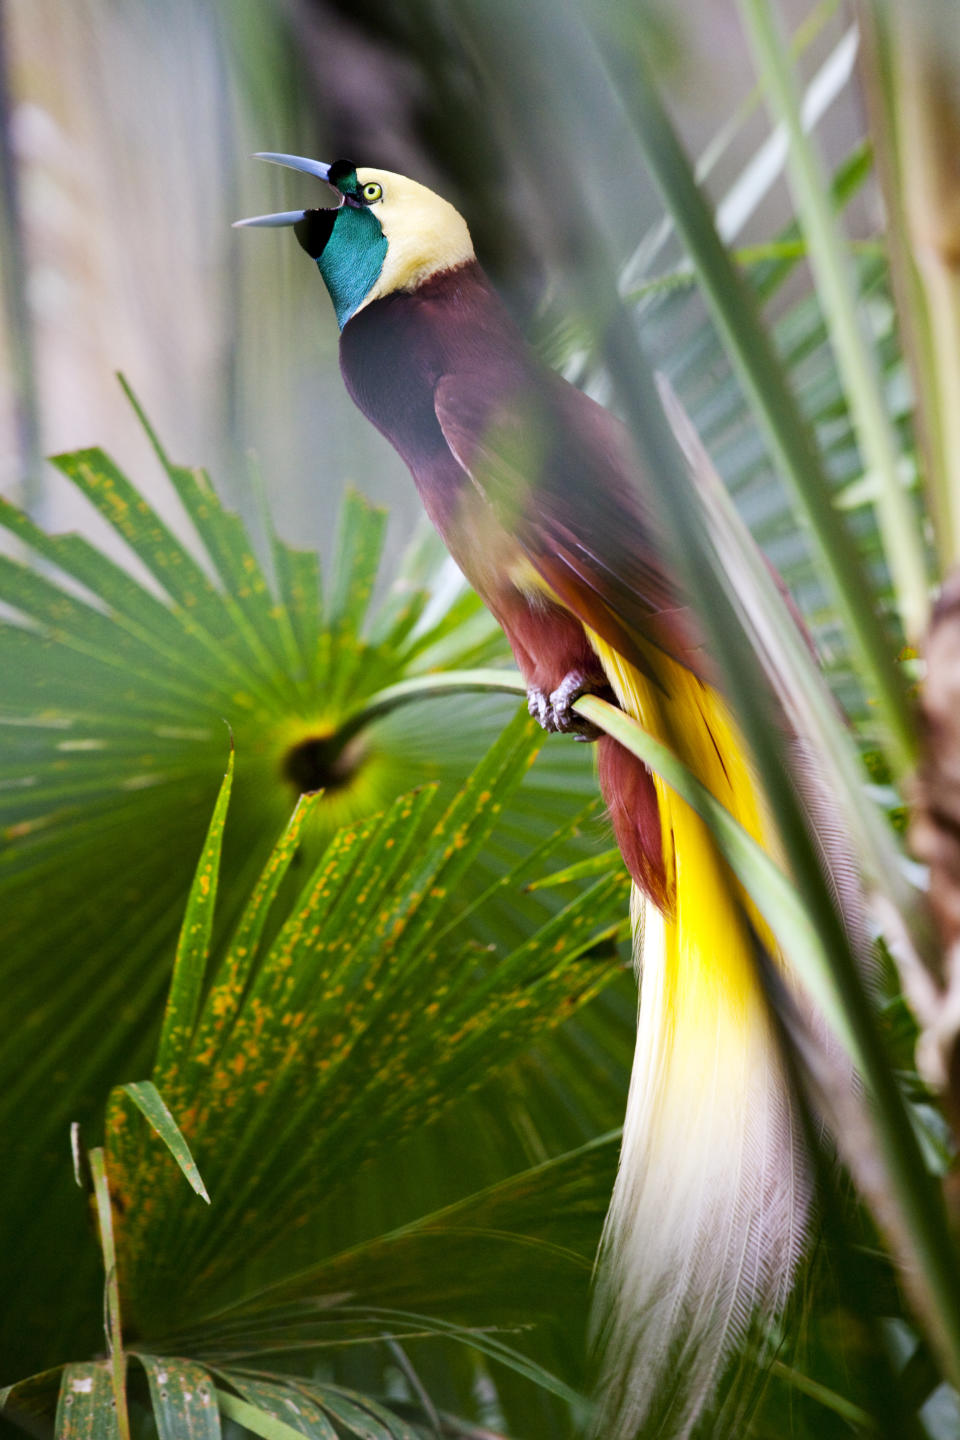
(935, 833)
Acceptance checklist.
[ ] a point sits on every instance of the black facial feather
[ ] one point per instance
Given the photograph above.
(314, 230)
(343, 174)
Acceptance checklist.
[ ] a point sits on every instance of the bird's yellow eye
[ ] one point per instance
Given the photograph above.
(372, 191)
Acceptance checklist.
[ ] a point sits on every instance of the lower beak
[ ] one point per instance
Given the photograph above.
(292, 162)
(282, 217)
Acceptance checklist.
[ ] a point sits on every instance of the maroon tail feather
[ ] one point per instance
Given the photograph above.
(631, 798)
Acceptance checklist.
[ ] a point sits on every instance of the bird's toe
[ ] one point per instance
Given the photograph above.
(538, 703)
(571, 687)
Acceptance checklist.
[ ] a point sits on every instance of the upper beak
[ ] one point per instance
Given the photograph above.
(293, 162)
(296, 162)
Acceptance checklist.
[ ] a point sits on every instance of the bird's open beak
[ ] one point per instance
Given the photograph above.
(293, 162)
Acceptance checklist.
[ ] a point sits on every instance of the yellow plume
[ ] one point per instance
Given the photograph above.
(708, 1215)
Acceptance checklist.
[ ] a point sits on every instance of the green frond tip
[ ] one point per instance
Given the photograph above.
(193, 947)
(284, 1402)
(152, 1106)
(252, 1418)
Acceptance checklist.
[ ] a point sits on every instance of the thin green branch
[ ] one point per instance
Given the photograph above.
(918, 119)
(429, 687)
(829, 1399)
(118, 1360)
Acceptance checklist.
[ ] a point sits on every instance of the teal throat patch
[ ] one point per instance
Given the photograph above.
(352, 259)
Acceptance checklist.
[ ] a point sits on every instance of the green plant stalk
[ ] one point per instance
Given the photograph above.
(118, 1359)
(828, 257)
(658, 234)
(885, 95)
(943, 305)
(826, 1397)
(257, 1421)
(451, 682)
(793, 446)
(767, 886)
(793, 672)
(926, 123)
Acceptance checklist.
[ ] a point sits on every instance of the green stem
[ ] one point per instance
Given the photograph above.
(118, 1360)
(829, 1399)
(429, 687)
(855, 356)
(656, 237)
(943, 297)
(919, 122)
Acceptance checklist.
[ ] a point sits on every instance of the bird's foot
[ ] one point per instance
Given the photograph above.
(555, 711)
(574, 684)
(538, 703)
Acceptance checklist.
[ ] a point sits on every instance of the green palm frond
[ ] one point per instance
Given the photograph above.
(119, 696)
(322, 1037)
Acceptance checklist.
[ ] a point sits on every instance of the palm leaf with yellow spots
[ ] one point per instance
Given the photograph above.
(323, 1037)
(369, 1013)
(125, 672)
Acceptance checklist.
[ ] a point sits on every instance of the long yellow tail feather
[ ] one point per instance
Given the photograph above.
(708, 1215)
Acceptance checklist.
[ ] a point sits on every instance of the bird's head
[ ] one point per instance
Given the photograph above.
(386, 233)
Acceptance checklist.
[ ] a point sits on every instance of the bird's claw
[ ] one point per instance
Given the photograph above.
(555, 712)
(538, 703)
(568, 722)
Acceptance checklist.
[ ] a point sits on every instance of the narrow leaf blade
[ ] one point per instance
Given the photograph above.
(152, 1106)
(183, 1397)
(194, 944)
(287, 1404)
(257, 1420)
(86, 1408)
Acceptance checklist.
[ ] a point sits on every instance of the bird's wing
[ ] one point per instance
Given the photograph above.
(556, 469)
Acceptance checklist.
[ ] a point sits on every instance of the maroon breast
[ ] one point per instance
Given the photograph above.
(394, 350)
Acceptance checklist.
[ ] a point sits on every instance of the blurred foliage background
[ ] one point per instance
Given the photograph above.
(128, 131)
(125, 133)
